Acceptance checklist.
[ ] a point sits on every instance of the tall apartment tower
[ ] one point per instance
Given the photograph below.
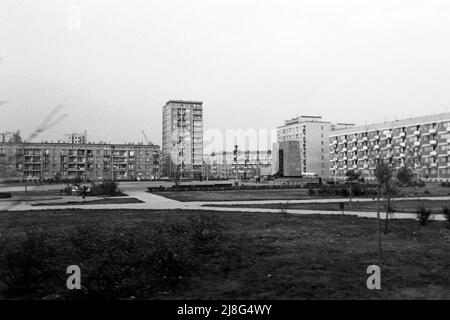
(312, 134)
(182, 139)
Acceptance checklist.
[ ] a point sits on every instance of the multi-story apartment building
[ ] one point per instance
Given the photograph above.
(421, 143)
(182, 139)
(75, 137)
(312, 133)
(249, 164)
(89, 161)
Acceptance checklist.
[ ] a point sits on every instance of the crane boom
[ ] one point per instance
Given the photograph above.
(146, 139)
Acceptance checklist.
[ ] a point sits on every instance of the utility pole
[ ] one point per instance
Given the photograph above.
(112, 162)
(235, 153)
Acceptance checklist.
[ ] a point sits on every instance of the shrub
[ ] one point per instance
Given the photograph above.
(106, 188)
(311, 192)
(5, 194)
(423, 215)
(77, 180)
(446, 213)
(420, 184)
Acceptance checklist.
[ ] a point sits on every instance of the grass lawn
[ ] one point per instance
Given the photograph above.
(111, 200)
(270, 256)
(236, 195)
(408, 206)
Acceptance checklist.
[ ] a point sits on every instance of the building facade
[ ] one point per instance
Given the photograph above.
(75, 137)
(312, 133)
(249, 164)
(421, 143)
(286, 159)
(182, 139)
(64, 161)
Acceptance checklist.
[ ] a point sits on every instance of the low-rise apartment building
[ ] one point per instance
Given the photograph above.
(249, 164)
(89, 161)
(421, 143)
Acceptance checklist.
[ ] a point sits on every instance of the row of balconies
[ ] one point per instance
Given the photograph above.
(388, 146)
(386, 136)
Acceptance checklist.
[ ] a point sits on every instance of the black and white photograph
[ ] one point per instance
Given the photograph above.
(223, 155)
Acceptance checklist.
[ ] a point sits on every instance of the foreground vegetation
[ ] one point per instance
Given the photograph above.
(407, 206)
(186, 255)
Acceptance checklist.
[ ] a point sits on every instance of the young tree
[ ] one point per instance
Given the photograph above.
(391, 189)
(177, 178)
(405, 176)
(352, 176)
(383, 174)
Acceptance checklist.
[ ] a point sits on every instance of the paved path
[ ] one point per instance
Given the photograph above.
(156, 202)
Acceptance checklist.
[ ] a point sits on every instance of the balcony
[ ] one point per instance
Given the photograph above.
(433, 153)
(417, 133)
(402, 134)
(364, 148)
(402, 144)
(432, 131)
(364, 139)
(388, 136)
(388, 146)
(433, 142)
(402, 155)
(433, 164)
(354, 148)
(344, 149)
(417, 144)
(376, 147)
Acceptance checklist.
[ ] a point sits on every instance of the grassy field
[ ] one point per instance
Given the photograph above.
(367, 206)
(244, 256)
(431, 190)
(236, 195)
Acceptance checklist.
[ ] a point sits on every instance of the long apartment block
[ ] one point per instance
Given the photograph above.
(89, 161)
(249, 164)
(421, 143)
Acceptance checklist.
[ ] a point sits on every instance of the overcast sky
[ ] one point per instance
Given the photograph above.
(253, 63)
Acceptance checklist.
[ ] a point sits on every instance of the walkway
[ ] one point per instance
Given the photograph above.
(156, 202)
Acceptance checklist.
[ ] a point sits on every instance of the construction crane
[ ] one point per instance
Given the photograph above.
(146, 139)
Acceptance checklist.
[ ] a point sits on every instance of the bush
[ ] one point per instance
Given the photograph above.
(446, 213)
(106, 188)
(423, 215)
(420, 184)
